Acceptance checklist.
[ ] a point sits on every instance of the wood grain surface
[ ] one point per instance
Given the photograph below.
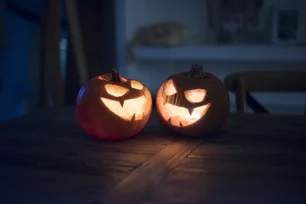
(45, 157)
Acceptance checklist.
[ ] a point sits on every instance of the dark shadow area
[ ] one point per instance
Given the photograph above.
(49, 49)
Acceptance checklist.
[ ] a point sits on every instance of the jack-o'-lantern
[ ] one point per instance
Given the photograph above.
(193, 103)
(112, 107)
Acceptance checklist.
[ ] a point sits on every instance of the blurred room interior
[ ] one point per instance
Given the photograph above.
(147, 40)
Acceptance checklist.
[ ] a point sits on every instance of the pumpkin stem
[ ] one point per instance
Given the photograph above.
(115, 76)
(196, 71)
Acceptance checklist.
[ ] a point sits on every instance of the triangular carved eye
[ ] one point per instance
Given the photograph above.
(169, 88)
(195, 95)
(115, 90)
(136, 85)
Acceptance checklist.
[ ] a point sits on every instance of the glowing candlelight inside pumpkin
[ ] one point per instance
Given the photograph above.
(113, 107)
(192, 103)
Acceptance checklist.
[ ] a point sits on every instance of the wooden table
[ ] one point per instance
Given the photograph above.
(46, 158)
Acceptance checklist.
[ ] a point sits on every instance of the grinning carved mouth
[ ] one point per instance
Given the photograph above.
(181, 117)
(129, 110)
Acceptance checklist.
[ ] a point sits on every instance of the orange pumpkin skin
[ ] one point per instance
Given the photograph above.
(193, 103)
(111, 107)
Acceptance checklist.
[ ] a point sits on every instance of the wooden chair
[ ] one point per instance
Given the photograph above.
(87, 42)
(90, 34)
(242, 83)
(51, 79)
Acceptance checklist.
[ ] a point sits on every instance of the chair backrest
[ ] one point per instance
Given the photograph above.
(242, 83)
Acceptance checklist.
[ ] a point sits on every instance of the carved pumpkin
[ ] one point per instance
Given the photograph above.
(193, 103)
(112, 107)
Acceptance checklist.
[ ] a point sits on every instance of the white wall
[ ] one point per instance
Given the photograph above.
(143, 12)
(191, 13)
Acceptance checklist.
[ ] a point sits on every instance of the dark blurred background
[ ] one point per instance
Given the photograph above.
(49, 48)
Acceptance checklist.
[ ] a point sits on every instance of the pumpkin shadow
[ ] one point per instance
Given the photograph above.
(154, 128)
(196, 137)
